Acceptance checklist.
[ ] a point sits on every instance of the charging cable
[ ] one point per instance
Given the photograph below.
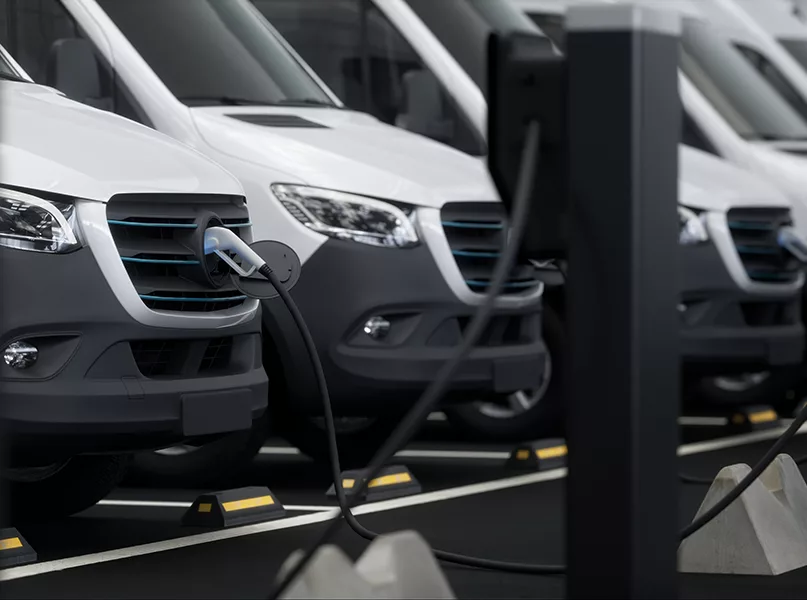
(220, 241)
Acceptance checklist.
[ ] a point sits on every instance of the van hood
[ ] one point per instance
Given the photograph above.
(711, 183)
(51, 143)
(346, 151)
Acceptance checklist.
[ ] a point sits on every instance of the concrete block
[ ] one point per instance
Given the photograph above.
(758, 534)
(784, 480)
(395, 566)
(402, 565)
(330, 574)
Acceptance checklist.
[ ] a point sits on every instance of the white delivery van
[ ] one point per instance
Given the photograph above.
(398, 234)
(421, 65)
(732, 112)
(117, 332)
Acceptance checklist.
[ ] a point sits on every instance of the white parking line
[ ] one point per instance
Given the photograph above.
(323, 513)
(466, 454)
(735, 440)
(171, 504)
(286, 523)
(683, 450)
(703, 421)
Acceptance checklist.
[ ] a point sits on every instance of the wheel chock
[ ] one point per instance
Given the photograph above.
(391, 482)
(231, 508)
(14, 549)
(753, 418)
(763, 532)
(396, 566)
(539, 456)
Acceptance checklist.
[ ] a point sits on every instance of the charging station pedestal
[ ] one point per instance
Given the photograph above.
(624, 117)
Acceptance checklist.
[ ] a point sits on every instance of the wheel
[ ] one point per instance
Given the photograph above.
(37, 495)
(523, 415)
(195, 465)
(773, 388)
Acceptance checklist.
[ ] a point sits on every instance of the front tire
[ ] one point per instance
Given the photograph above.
(37, 496)
(773, 388)
(203, 465)
(525, 415)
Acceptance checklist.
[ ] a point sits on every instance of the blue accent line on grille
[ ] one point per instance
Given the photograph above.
(475, 254)
(169, 299)
(174, 225)
(472, 225)
(157, 261)
(750, 225)
(512, 284)
(756, 250)
(770, 276)
(141, 224)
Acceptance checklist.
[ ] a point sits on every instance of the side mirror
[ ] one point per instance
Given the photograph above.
(423, 102)
(73, 69)
(282, 260)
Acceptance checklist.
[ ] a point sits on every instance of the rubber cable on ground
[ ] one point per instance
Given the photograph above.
(423, 407)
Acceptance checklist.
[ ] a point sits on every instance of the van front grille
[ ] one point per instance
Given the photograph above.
(476, 233)
(755, 232)
(157, 240)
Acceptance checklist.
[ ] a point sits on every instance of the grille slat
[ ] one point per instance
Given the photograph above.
(755, 234)
(155, 236)
(476, 233)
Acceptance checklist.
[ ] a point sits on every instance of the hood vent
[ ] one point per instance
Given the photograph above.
(797, 151)
(288, 121)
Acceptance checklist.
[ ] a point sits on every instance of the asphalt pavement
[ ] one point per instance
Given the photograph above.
(132, 545)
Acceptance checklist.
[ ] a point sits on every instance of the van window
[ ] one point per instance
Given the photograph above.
(41, 36)
(464, 26)
(748, 103)
(368, 63)
(215, 52)
(775, 78)
(797, 49)
(554, 26)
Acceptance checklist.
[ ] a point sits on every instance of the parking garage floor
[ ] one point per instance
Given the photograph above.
(132, 544)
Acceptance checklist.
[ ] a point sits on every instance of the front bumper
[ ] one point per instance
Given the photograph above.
(727, 329)
(344, 284)
(105, 383)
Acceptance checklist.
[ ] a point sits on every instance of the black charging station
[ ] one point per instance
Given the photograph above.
(605, 198)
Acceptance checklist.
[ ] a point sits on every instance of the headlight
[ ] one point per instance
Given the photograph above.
(348, 216)
(692, 227)
(31, 223)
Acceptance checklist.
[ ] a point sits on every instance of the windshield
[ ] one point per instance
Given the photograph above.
(797, 49)
(7, 71)
(463, 28)
(735, 89)
(211, 52)
(360, 55)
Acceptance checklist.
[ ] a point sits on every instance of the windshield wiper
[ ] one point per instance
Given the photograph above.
(12, 77)
(307, 102)
(236, 101)
(770, 137)
(226, 100)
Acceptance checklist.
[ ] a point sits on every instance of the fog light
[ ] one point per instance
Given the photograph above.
(20, 355)
(377, 327)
